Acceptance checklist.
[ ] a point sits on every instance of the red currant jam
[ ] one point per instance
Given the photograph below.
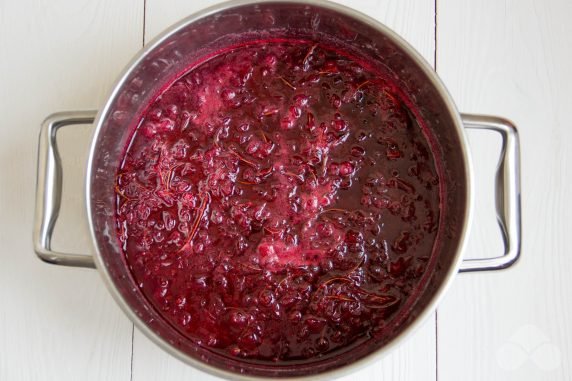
(278, 202)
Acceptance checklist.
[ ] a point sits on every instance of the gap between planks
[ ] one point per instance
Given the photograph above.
(133, 324)
(436, 310)
(144, 19)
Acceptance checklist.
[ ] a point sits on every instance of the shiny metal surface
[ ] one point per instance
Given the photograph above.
(49, 189)
(160, 62)
(507, 192)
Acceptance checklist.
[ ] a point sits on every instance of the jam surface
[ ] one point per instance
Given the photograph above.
(278, 202)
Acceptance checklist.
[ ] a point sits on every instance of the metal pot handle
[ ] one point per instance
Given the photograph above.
(49, 189)
(507, 189)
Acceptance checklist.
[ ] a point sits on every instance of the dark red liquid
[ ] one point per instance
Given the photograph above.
(278, 202)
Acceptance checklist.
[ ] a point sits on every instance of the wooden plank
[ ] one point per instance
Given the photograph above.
(415, 359)
(56, 323)
(512, 59)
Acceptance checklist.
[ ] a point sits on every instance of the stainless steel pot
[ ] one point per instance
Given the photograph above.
(207, 31)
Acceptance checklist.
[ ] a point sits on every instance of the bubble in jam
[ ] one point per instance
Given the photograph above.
(279, 202)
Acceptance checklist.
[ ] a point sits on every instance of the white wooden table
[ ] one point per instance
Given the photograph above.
(511, 58)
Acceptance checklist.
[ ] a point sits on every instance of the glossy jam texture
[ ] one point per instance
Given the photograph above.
(278, 202)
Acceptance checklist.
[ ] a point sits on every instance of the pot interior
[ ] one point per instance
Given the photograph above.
(202, 35)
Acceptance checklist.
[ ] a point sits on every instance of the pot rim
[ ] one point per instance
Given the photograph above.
(466, 223)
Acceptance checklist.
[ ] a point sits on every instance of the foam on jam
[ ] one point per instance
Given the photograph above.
(278, 202)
